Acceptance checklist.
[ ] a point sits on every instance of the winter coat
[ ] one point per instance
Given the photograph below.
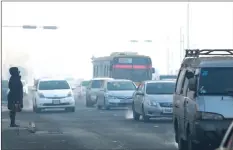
(15, 95)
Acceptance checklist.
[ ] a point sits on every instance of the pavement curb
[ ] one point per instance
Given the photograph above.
(30, 127)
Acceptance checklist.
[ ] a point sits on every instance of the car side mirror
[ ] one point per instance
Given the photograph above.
(34, 89)
(190, 75)
(103, 90)
(192, 84)
(153, 70)
(140, 93)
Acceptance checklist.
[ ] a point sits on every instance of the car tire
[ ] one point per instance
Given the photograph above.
(193, 146)
(88, 102)
(71, 109)
(182, 144)
(136, 116)
(105, 106)
(145, 118)
(37, 110)
(98, 106)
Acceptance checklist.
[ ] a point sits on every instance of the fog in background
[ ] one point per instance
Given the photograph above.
(97, 29)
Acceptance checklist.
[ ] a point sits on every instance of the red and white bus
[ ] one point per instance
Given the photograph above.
(124, 65)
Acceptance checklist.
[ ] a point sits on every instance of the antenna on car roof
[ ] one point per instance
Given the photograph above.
(198, 52)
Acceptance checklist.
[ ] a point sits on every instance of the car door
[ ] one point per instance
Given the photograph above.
(135, 98)
(139, 99)
(102, 92)
(179, 100)
(95, 88)
(88, 90)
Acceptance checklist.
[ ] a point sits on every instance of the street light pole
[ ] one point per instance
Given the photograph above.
(31, 27)
(188, 15)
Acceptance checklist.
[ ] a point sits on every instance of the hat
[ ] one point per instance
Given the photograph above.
(14, 71)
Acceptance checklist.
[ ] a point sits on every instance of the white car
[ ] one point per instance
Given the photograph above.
(53, 94)
(25, 87)
(116, 93)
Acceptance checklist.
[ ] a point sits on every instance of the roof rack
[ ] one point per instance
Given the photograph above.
(198, 52)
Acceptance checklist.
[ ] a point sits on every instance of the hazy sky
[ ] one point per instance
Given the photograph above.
(98, 29)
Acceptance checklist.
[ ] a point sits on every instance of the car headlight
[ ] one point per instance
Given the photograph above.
(209, 116)
(110, 96)
(151, 102)
(69, 94)
(41, 95)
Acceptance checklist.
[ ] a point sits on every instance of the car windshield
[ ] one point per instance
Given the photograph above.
(160, 88)
(53, 85)
(120, 86)
(208, 76)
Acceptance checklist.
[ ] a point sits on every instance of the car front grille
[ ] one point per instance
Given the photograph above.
(50, 104)
(166, 105)
(55, 97)
(123, 97)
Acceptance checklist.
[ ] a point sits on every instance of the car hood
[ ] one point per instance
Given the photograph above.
(217, 104)
(55, 93)
(121, 93)
(161, 98)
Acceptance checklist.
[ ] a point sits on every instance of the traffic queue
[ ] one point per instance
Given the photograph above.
(200, 108)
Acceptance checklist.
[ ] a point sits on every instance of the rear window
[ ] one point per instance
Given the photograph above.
(85, 83)
(121, 86)
(53, 85)
(96, 83)
(160, 88)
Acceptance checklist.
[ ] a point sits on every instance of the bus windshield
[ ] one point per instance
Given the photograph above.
(136, 69)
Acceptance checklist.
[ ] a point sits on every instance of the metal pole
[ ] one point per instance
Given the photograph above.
(188, 25)
(181, 50)
(168, 56)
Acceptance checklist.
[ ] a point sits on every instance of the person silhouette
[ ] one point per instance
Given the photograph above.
(15, 95)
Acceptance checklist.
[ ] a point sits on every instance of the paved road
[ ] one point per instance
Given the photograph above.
(88, 128)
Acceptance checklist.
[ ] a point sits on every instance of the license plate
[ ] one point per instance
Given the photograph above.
(115, 101)
(56, 101)
(167, 110)
(124, 101)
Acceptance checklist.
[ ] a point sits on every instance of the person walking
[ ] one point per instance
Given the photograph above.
(15, 95)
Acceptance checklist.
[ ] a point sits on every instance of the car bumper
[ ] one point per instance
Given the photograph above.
(63, 103)
(210, 131)
(119, 103)
(156, 111)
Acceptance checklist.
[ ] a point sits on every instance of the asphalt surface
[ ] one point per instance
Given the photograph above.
(85, 129)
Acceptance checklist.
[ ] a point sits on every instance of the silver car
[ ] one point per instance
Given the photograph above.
(153, 99)
(116, 93)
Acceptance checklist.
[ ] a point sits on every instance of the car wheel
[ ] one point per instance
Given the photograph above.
(87, 102)
(98, 106)
(176, 132)
(37, 110)
(105, 106)
(72, 109)
(136, 116)
(193, 146)
(182, 144)
(145, 118)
